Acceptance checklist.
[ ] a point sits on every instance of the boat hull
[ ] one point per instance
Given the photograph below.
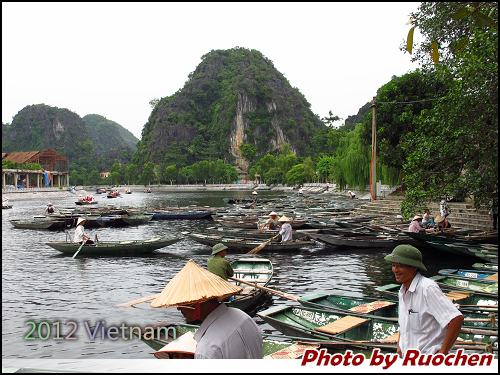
(123, 248)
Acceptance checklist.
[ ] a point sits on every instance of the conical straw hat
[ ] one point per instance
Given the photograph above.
(183, 344)
(194, 284)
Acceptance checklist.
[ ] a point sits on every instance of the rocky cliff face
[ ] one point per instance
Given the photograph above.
(234, 97)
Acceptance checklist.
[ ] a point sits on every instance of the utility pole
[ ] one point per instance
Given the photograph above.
(373, 180)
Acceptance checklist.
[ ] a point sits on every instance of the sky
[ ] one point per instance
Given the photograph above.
(112, 59)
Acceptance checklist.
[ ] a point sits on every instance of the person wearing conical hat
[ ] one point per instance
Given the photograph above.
(218, 265)
(254, 201)
(5, 202)
(182, 347)
(428, 320)
(272, 223)
(416, 227)
(50, 209)
(79, 232)
(351, 194)
(442, 223)
(225, 332)
(285, 229)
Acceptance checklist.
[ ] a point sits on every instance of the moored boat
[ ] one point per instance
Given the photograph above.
(137, 219)
(245, 243)
(118, 248)
(484, 286)
(45, 223)
(180, 215)
(253, 270)
(358, 240)
(472, 274)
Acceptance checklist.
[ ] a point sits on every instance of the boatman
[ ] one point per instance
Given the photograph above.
(5, 202)
(254, 201)
(225, 332)
(285, 229)
(217, 264)
(272, 223)
(428, 320)
(50, 209)
(79, 232)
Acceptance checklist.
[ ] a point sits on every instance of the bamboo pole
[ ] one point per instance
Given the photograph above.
(277, 292)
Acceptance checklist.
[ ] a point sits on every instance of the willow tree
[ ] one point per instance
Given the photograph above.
(352, 161)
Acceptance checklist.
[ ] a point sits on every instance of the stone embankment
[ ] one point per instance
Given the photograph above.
(463, 215)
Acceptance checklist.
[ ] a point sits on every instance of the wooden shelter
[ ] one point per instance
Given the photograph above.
(55, 164)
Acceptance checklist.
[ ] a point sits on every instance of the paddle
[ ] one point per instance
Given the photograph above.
(140, 300)
(261, 246)
(277, 292)
(83, 243)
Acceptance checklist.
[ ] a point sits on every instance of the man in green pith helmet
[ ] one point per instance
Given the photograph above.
(217, 264)
(428, 320)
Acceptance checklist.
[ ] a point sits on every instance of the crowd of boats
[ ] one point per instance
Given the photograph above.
(335, 322)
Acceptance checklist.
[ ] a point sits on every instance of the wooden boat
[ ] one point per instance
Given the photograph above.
(462, 297)
(112, 195)
(9, 206)
(137, 219)
(472, 274)
(252, 224)
(253, 270)
(180, 215)
(157, 335)
(44, 223)
(85, 203)
(486, 287)
(344, 326)
(112, 220)
(246, 244)
(119, 248)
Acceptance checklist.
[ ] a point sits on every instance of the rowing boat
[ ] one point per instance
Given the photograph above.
(471, 274)
(487, 287)
(246, 244)
(85, 203)
(137, 219)
(160, 334)
(45, 223)
(358, 240)
(324, 324)
(180, 215)
(118, 248)
(6, 207)
(253, 270)
(370, 306)
(461, 297)
(240, 232)
(486, 266)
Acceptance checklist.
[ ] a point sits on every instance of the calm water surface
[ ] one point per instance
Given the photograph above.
(39, 285)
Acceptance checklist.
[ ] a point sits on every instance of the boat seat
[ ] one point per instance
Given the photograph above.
(372, 306)
(391, 339)
(492, 277)
(247, 290)
(243, 270)
(125, 242)
(153, 239)
(341, 325)
(292, 351)
(456, 295)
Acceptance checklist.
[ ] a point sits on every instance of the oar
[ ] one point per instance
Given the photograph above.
(140, 300)
(277, 292)
(83, 243)
(261, 246)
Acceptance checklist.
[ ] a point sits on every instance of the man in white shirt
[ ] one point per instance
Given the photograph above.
(285, 229)
(428, 320)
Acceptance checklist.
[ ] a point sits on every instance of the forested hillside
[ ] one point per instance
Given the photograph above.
(108, 135)
(235, 106)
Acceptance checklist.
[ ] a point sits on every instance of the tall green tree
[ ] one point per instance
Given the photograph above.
(148, 173)
(95, 177)
(170, 174)
(131, 174)
(456, 151)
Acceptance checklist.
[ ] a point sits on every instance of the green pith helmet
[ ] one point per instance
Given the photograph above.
(407, 255)
(218, 248)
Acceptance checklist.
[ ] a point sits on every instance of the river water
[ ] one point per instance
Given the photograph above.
(40, 285)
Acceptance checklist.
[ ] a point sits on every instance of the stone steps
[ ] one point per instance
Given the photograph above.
(463, 215)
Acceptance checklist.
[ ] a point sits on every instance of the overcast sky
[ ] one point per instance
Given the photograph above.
(111, 59)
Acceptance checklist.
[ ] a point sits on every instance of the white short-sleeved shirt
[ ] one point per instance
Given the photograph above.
(228, 332)
(78, 234)
(424, 314)
(286, 232)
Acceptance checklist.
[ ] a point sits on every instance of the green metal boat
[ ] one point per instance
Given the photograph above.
(487, 287)
(137, 219)
(45, 223)
(117, 248)
(461, 297)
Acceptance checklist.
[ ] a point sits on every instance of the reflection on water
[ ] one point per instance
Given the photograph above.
(40, 285)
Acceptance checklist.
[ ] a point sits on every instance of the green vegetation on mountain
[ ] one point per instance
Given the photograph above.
(108, 135)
